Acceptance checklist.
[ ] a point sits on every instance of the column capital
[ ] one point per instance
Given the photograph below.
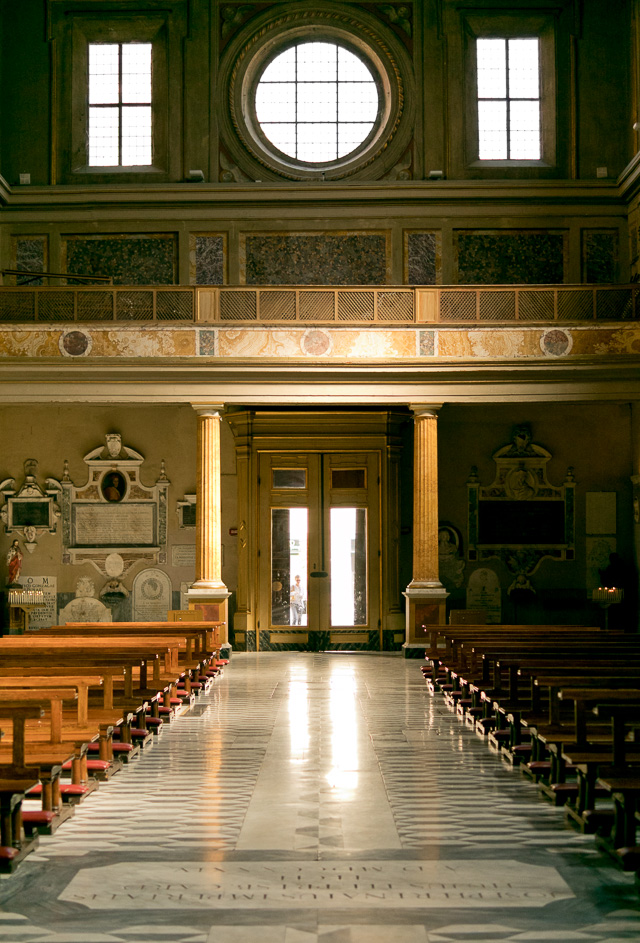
(208, 409)
(425, 409)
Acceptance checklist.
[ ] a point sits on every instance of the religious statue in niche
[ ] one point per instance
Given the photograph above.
(450, 561)
(14, 564)
(30, 510)
(521, 518)
(114, 521)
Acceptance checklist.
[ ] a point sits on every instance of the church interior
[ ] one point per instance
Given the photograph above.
(319, 335)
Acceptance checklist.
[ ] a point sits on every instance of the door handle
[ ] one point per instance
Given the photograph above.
(318, 573)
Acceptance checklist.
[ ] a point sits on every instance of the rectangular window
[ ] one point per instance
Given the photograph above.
(120, 126)
(508, 83)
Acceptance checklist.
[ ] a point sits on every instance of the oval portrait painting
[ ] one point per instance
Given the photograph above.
(113, 487)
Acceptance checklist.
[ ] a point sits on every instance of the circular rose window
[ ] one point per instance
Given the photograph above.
(315, 94)
(317, 102)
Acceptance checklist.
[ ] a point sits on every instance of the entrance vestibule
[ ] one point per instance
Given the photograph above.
(319, 584)
(319, 513)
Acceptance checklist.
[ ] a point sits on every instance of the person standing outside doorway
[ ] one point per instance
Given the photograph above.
(296, 600)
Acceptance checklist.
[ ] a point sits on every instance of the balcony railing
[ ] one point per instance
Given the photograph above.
(398, 305)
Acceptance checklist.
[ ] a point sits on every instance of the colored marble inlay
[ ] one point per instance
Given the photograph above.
(427, 343)
(30, 255)
(129, 259)
(207, 344)
(325, 259)
(556, 343)
(209, 260)
(508, 258)
(75, 343)
(600, 256)
(421, 250)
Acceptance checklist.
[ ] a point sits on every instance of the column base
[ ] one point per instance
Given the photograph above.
(213, 601)
(426, 606)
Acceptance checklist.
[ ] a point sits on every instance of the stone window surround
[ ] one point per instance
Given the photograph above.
(510, 26)
(273, 32)
(73, 34)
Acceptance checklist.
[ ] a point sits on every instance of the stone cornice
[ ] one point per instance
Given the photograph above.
(629, 179)
(377, 383)
(403, 194)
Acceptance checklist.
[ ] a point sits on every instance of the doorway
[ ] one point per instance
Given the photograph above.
(319, 550)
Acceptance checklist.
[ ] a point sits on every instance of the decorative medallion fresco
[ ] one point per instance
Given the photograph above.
(422, 258)
(315, 259)
(207, 259)
(509, 257)
(599, 255)
(30, 253)
(556, 343)
(130, 259)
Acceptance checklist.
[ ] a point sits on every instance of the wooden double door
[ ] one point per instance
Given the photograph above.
(319, 558)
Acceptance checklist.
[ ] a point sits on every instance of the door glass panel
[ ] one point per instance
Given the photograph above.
(348, 566)
(289, 531)
(289, 478)
(348, 478)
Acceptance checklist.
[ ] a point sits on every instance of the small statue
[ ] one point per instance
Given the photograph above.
(14, 563)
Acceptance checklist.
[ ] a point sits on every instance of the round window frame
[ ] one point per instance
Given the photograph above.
(248, 55)
(252, 81)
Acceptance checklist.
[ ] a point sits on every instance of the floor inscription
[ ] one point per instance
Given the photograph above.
(277, 885)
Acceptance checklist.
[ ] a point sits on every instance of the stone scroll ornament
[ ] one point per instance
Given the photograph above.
(521, 518)
(30, 510)
(114, 521)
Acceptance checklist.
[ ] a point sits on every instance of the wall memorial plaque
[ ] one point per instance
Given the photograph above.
(42, 618)
(483, 592)
(151, 596)
(114, 512)
(120, 525)
(521, 518)
(184, 555)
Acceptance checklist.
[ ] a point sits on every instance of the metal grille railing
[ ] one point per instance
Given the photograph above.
(47, 305)
(397, 305)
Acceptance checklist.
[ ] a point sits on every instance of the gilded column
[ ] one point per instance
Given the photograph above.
(209, 592)
(425, 594)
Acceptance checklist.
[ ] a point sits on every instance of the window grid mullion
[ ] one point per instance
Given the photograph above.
(337, 93)
(295, 59)
(507, 47)
(119, 104)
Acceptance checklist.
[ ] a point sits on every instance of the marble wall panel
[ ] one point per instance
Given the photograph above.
(317, 342)
(31, 254)
(130, 259)
(367, 345)
(81, 342)
(422, 258)
(351, 258)
(207, 258)
(599, 256)
(509, 257)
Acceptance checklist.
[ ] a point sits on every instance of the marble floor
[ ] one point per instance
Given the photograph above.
(318, 797)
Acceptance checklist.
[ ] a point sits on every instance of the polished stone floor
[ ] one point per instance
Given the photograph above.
(318, 797)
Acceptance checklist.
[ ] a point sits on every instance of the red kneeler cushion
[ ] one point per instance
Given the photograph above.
(38, 817)
(66, 789)
(116, 747)
(96, 765)
(7, 853)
